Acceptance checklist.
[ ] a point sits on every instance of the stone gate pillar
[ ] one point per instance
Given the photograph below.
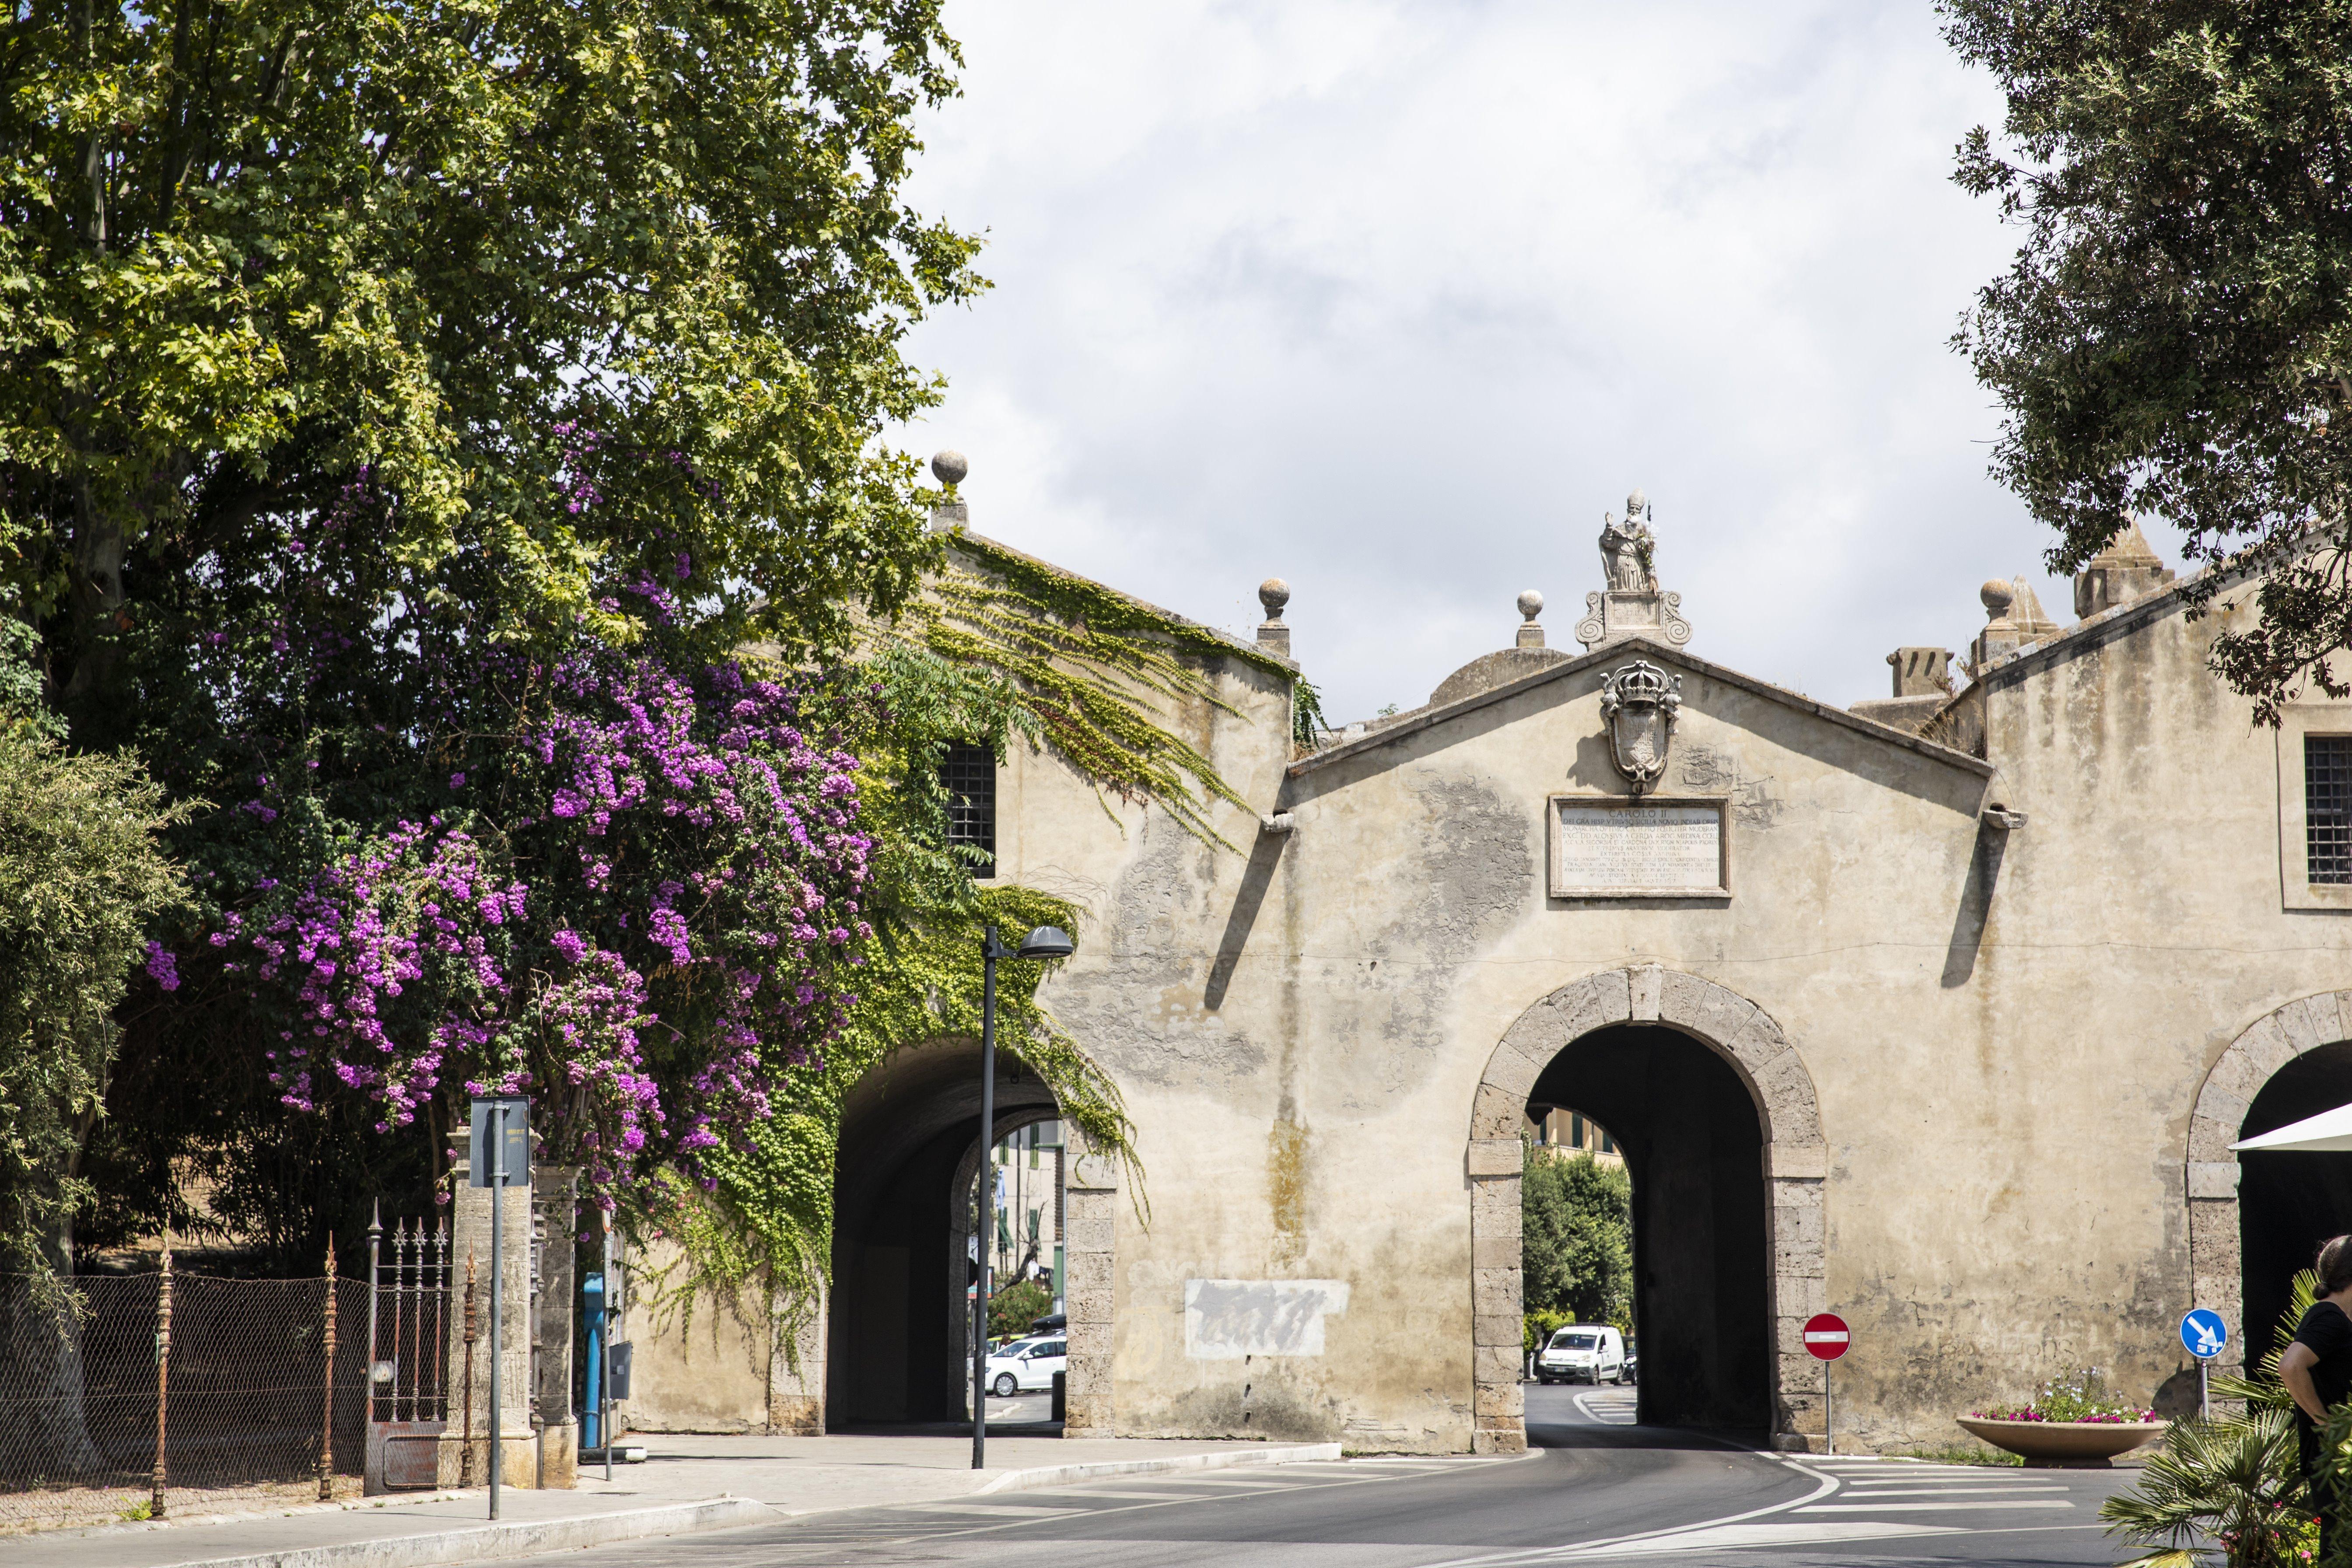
(469, 1229)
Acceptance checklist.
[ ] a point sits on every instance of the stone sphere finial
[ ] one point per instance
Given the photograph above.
(1530, 605)
(1997, 595)
(950, 466)
(1274, 593)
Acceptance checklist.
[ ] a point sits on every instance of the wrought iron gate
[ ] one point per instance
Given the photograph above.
(409, 1323)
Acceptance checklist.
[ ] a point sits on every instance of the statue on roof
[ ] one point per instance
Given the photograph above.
(1627, 548)
(1632, 605)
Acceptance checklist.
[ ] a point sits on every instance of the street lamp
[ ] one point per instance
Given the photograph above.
(1045, 942)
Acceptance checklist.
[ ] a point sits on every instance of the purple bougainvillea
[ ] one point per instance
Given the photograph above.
(649, 906)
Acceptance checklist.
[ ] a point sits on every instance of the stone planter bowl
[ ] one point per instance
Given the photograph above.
(2085, 1443)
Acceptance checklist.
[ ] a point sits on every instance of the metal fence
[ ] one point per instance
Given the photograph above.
(150, 1395)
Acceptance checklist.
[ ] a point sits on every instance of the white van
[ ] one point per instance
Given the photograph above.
(1582, 1353)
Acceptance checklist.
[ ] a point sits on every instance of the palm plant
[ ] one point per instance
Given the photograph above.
(2230, 1489)
(2226, 1487)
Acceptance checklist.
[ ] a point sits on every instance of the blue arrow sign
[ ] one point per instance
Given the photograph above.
(2204, 1332)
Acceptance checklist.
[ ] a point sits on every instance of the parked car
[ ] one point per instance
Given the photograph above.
(1583, 1353)
(1052, 1323)
(1027, 1366)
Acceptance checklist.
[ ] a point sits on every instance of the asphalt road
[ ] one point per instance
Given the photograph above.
(1600, 1490)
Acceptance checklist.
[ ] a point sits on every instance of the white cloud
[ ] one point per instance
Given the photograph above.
(1394, 299)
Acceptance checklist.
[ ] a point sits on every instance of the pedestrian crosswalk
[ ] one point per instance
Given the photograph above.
(1858, 1499)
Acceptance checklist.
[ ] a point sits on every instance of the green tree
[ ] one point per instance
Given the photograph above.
(1576, 1228)
(488, 260)
(1011, 1310)
(82, 873)
(2174, 338)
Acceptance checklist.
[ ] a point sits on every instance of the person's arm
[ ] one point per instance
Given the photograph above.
(2295, 1371)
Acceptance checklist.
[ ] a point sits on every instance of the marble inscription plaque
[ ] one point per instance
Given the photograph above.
(1656, 847)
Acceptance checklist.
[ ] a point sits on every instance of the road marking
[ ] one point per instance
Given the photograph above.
(1723, 1537)
(994, 1510)
(1621, 1406)
(1916, 1506)
(1596, 1548)
(1944, 1491)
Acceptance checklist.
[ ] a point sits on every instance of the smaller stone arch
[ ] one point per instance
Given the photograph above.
(1796, 1160)
(2216, 1258)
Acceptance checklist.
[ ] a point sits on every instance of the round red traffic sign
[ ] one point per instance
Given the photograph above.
(1826, 1336)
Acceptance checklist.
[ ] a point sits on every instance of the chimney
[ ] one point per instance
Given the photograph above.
(2125, 570)
(1921, 671)
(948, 465)
(1272, 635)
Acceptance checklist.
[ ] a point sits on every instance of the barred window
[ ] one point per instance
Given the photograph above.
(969, 775)
(2327, 806)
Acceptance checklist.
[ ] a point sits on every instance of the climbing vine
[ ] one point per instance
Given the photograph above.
(1081, 667)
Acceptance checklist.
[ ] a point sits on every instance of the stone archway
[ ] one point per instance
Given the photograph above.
(1795, 1155)
(2216, 1265)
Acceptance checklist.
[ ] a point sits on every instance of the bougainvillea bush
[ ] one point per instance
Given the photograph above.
(641, 899)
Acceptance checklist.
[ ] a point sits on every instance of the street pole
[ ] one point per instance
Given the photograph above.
(988, 955)
(1829, 1412)
(2204, 1401)
(605, 1356)
(498, 1281)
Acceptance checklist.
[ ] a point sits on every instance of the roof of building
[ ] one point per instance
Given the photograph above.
(1431, 717)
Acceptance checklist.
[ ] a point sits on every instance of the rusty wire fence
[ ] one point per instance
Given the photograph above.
(157, 1395)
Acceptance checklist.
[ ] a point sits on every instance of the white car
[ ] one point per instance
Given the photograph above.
(1583, 1353)
(1027, 1366)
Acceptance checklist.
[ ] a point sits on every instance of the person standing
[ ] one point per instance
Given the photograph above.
(2317, 1371)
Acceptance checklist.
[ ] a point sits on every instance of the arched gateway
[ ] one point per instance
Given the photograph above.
(1795, 1161)
(2253, 1088)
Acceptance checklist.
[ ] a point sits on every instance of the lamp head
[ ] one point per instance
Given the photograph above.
(1047, 942)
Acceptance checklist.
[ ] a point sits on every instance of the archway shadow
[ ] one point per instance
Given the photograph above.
(1693, 1144)
(2289, 1202)
(898, 1338)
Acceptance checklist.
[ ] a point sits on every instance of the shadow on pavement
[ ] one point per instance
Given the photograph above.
(1582, 1435)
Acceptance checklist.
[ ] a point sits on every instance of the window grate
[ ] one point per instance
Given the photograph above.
(969, 775)
(2327, 807)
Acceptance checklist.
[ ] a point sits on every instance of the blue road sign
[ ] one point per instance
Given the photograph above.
(2204, 1332)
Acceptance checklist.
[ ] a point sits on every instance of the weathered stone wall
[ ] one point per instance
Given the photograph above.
(2003, 1032)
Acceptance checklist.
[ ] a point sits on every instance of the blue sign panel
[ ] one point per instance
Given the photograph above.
(2204, 1332)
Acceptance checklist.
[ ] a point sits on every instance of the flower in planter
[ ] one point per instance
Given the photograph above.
(2080, 1395)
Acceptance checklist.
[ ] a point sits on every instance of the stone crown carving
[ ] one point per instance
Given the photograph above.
(1639, 702)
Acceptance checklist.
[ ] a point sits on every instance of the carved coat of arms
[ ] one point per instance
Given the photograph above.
(1639, 702)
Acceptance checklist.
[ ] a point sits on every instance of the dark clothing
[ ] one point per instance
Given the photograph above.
(2328, 1333)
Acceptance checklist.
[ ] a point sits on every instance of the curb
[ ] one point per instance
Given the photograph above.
(525, 1537)
(520, 1538)
(1102, 1470)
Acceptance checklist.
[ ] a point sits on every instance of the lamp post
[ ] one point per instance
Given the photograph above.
(1045, 942)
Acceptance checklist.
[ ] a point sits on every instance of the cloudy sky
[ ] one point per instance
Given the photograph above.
(1393, 300)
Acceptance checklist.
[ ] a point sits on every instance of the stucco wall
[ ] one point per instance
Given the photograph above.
(2006, 1031)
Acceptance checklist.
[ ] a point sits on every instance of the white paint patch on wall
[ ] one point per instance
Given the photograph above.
(1225, 1320)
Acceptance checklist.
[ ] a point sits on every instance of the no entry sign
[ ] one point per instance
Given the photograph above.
(1826, 1336)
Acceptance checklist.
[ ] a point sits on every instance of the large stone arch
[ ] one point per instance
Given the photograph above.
(925, 1097)
(2216, 1266)
(1796, 1163)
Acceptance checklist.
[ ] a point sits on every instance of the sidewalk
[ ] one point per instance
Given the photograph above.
(688, 1483)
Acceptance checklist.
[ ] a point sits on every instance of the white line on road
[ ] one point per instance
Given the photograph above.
(1945, 1492)
(1596, 1548)
(1918, 1507)
(1723, 1537)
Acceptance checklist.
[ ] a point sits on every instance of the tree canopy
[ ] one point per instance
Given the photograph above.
(487, 261)
(1576, 1221)
(2174, 339)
